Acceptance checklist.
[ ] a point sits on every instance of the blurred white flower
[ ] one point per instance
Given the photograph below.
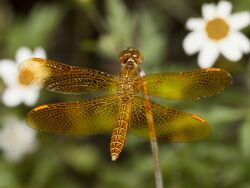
(16, 139)
(217, 32)
(17, 92)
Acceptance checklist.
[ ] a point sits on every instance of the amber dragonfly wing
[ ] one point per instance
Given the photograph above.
(77, 118)
(188, 85)
(63, 78)
(170, 124)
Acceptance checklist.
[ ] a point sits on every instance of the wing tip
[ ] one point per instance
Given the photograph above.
(33, 71)
(214, 69)
(226, 75)
(223, 77)
(204, 125)
(41, 107)
(198, 118)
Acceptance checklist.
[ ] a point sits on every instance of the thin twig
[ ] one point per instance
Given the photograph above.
(152, 135)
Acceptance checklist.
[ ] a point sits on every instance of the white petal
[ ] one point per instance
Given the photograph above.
(224, 8)
(242, 41)
(8, 72)
(208, 11)
(16, 139)
(193, 42)
(208, 55)
(31, 96)
(195, 24)
(12, 97)
(230, 48)
(39, 52)
(239, 20)
(22, 54)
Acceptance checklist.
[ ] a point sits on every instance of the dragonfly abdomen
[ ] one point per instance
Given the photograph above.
(120, 130)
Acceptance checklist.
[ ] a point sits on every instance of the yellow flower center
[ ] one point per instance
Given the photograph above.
(217, 29)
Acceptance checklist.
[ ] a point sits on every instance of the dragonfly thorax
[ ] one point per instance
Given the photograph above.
(125, 87)
(130, 61)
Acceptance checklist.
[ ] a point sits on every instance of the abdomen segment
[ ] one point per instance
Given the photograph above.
(120, 130)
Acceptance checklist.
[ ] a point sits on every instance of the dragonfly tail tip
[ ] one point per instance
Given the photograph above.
(114, 157)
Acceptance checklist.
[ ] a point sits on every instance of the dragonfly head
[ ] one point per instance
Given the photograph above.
(130, 58)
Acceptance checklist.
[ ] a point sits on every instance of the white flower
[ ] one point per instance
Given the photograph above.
(217, 32)
(17, 92)
(16, 139)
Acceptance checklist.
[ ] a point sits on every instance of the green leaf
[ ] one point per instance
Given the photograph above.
(81, 158)
(245, 138)
(47, 165)
(127, 29)
(151, 43)
(7, 176)
(121, 25)
(218, 114)
(119, 20)
(36, 29)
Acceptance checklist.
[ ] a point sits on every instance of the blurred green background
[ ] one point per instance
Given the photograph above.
(91, 34)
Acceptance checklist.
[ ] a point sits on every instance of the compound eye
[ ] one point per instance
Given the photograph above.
(124, 57)
(138, 58)
(135, 56)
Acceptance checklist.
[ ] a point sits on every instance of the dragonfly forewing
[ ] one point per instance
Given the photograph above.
(63, 78)
(188, 85)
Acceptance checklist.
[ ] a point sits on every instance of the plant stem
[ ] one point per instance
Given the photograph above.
(158, 174)
(152, 135)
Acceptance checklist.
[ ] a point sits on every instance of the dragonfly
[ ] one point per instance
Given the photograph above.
(122, 108)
